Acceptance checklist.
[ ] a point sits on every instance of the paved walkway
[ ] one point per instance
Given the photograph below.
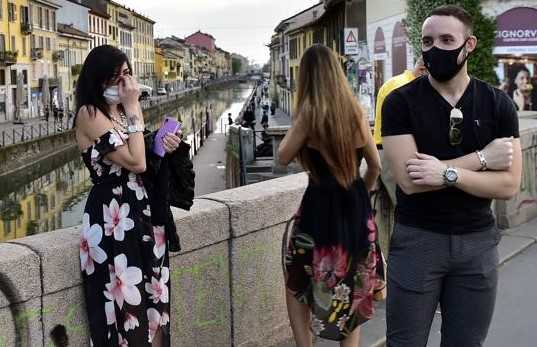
(210, 165)
(516, 304)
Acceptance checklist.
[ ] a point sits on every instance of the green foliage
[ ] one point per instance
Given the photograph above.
(482, 62)
(236, 66)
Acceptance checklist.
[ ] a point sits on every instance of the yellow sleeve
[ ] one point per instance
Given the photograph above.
(378, 115)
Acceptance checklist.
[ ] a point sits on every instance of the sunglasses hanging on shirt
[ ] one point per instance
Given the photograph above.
(455, 134)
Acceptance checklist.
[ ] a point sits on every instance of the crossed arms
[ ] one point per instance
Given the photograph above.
(418, 173)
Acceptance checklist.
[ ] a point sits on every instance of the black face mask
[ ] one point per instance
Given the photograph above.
(442, 63)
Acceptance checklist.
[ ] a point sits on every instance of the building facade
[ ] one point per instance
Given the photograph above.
(74, 45)
(144, 50)
(202, 40)
(44, 54)
(15, 28)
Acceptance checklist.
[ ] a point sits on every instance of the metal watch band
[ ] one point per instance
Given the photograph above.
(137, 128)
(482, 160)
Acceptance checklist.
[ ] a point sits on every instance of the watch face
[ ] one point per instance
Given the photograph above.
(451, 175)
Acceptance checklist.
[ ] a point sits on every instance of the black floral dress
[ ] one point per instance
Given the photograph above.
(332, 258)
(124, 258)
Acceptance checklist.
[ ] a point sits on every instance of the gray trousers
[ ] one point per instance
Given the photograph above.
(457, 271)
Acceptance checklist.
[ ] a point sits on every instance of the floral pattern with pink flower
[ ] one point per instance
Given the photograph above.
(159, 288)
(329, 264)
(156, 320)
(160, 241)
(123, 280)
(116, 220)
(90, 252)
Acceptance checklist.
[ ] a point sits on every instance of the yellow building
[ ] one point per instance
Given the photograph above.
(74, 45)
(14, 57)
(43, 50)
(144, 50)
(112, 9)
(168, 68)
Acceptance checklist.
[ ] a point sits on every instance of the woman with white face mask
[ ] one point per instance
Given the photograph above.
(124, 257)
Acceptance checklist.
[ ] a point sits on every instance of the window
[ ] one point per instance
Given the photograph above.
(2, 42)
(13, 43)
(24, 53)
(25, 76)
(53, 21)
(48, 43)
(7, 227)
(40, 17)
(25, 16)
(1, 10)
(2, 77)
(47, 20)
(32, 42)
(41, 42)
(13, 77)
(12, 12)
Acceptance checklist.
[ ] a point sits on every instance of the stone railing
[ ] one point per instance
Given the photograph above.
(226, 284)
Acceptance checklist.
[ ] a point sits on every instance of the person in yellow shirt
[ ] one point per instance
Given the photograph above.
(392, 84)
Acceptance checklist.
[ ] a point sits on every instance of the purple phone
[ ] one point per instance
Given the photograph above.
(170, 125)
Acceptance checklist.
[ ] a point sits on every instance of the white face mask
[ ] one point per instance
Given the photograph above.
(111, 95)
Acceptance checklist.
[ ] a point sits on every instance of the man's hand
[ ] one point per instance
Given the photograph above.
(426, 170)
(499, 154)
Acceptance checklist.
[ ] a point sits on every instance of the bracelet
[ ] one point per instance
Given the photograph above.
(136, 128)
(482, 160)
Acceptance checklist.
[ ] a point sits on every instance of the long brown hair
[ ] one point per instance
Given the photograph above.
(332, 115)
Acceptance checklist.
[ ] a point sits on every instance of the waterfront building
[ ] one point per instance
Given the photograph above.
(15, 28)
(98, 22)
(44, 54)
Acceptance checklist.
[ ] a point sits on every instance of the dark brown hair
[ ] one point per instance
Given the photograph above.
(457, 12)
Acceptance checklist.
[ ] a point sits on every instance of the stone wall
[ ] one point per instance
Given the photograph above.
(523, 207)
(226, 284)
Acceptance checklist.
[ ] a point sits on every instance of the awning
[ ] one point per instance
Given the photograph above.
(516, 32)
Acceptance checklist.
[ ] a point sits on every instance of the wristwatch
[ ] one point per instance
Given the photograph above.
(451, 175)
(482, 160)
(135, 128)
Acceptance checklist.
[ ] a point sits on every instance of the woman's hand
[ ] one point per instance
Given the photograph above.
(129, 92)
(519, 99)
(171, 141)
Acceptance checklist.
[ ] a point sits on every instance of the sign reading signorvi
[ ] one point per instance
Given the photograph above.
(350, 37)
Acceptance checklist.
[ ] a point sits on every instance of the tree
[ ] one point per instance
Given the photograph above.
(236, 66)
(482, 62)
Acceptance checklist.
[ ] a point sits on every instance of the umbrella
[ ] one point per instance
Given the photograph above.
(19, 96)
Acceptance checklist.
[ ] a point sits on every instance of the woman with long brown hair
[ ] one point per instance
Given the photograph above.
(333, 265)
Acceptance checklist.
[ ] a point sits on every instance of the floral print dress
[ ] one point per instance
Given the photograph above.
(332, 258)
(123, 257)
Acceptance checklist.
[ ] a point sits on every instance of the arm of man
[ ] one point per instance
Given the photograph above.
(494, 184)
(507, 153)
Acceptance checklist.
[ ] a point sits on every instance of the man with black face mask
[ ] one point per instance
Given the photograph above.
(453, 143)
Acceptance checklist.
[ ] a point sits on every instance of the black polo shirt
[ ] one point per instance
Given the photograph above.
(419, 110)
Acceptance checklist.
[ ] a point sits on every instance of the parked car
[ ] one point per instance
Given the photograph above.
(144, 95)
(161, 91)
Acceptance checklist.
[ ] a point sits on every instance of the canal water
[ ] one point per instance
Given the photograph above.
(56, 199)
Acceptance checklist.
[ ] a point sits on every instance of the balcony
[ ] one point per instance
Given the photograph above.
(36, 53)
(8, 58)
(26, 28)
(58, 56)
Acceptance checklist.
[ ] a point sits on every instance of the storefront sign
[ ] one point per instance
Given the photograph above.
(517, 31)
(380, 45)
(399, 53)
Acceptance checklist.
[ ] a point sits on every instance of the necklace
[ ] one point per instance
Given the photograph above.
(121, 121)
